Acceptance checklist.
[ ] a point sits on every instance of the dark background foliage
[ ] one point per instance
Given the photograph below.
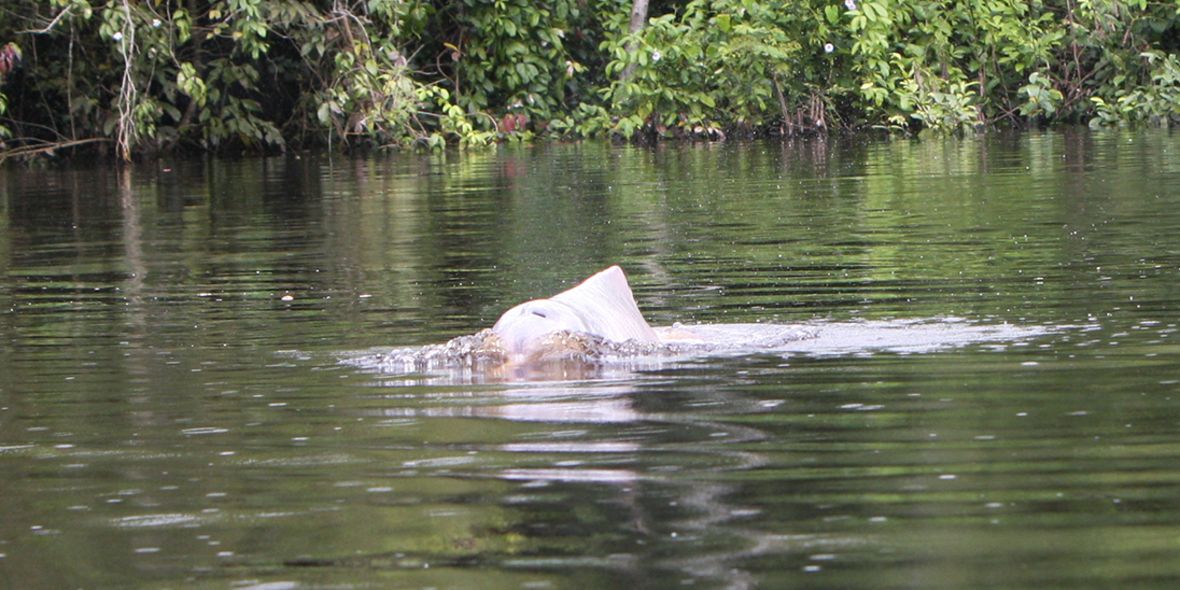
(138, 76)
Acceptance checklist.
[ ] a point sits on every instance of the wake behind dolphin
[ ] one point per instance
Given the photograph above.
(598, 324)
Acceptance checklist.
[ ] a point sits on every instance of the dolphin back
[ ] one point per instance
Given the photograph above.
(601, 306)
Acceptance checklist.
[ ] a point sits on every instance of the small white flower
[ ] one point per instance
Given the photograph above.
(828, 48)
(118, 36)
(156, 23)
(655, 56)
(850, 4)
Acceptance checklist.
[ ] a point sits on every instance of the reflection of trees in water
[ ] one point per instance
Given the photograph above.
(673, 516)
(680, 514)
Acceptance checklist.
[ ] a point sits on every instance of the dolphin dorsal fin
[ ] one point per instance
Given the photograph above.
(608, 308)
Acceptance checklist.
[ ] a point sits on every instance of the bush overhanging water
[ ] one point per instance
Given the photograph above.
(231, 75)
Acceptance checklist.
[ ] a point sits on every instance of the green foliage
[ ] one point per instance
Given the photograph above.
(227, 75)
(952, 65)
(1156, 102)
(10, 57)
(512, 53)
(712, 65)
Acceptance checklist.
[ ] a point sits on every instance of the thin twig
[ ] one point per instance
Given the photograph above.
(48, 27)
(28, 150)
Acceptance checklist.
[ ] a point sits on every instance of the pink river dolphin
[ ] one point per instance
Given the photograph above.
(597, 325)
(602, 306)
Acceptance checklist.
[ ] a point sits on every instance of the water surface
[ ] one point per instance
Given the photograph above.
(176, 412)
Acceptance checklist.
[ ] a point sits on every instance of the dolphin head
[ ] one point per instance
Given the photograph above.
(521, 328)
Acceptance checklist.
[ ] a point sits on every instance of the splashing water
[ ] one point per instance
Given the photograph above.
(579, 355)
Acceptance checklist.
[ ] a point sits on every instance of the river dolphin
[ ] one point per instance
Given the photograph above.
(582, 332)
(601, 306)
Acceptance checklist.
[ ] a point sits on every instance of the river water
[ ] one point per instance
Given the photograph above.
(180, 405)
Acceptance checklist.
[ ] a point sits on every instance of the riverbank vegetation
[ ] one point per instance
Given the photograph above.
(141, 76)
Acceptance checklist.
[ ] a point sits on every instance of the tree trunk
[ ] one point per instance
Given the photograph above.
(198, 61)
(126, 134)
(638, 17)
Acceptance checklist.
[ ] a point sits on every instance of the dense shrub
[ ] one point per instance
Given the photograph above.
(224, 75)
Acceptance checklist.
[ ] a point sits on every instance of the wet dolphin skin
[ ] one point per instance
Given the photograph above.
(600, 306)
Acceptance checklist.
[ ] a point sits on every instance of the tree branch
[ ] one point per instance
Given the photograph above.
(48, 27)
(45, 147)
(638, 17)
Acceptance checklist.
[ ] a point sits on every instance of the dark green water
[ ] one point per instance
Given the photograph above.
(175, 413)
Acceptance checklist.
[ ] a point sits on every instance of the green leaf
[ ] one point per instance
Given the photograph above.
(724, 23)
(832, 13)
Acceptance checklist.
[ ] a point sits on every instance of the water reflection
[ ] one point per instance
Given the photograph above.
(992, 380)
(705, 516)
